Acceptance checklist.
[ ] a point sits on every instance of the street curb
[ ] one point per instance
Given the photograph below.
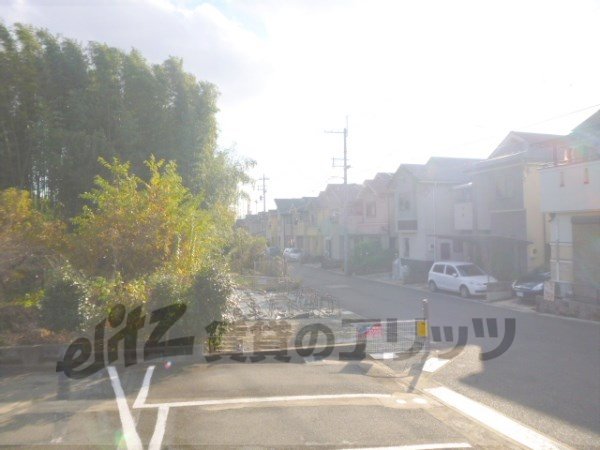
(31, 356)
(479, 302)
(492, 304)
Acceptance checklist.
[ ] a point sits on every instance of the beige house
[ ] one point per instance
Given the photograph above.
(272, 232)
(570, 198)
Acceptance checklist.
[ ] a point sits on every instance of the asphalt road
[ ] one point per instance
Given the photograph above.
(326, 403)
(548, 379)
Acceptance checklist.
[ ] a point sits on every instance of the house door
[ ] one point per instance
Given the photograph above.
(445, 251)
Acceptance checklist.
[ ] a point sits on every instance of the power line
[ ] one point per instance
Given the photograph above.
(533, 124)
(562, 115)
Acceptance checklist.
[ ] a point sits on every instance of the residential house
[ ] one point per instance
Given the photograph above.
(290, 213)
(272, 232)
(507, 232)
(330, 216)
(372, 206)
(424, 211)
(254, 223)
(304, 227)
(570, 198)
(309, 226)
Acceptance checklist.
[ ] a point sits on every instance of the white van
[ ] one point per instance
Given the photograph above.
(455, 276)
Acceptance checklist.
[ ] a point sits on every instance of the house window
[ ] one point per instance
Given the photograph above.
(406, 250)
(356, 208)
(504, 187)
(371, 208)
(562, 179)
(586, 176)
(403, 204)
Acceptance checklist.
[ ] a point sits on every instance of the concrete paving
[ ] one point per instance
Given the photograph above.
(549, 379)
(542, 393)
(324, 403)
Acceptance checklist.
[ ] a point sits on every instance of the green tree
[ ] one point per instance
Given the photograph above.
(30, 242)
(62, 106)
(133, 227)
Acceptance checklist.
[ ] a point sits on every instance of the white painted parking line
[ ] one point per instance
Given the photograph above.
(251, 400)
(493, 419)
(143, 394)
(159, 429)
(422, 446)
(433, 364)
(132, 439)
(386, 355)
(140, 401)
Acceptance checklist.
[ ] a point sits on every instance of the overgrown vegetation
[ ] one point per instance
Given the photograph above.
(369, 257)
(246, 250)
(112, 189)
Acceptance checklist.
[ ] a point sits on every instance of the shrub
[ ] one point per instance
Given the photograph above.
(208, 302)
(59, 308)
(370, 257)
(211, 288)
(165, 289)
(29, 240)
(245, 250)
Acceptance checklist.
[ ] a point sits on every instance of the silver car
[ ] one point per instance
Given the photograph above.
(292, 254)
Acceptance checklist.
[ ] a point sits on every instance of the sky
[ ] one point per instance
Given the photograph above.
(414, 78)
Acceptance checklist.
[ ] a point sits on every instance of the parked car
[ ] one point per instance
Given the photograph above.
(292, 254)
(531, 284)
(455, 276)
(273, 251)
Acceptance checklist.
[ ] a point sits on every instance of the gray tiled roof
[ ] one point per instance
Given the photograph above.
(285, 205)
(442, 170)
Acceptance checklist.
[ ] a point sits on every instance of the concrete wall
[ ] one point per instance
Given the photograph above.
(537, 225)
(563, 188)
(497, 189)
(561, 245)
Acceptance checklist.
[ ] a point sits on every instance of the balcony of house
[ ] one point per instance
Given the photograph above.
(406, 215)
(571, 186)
(370, 228)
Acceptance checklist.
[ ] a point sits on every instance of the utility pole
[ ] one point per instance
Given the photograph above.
(345, 166)
(263, 197)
